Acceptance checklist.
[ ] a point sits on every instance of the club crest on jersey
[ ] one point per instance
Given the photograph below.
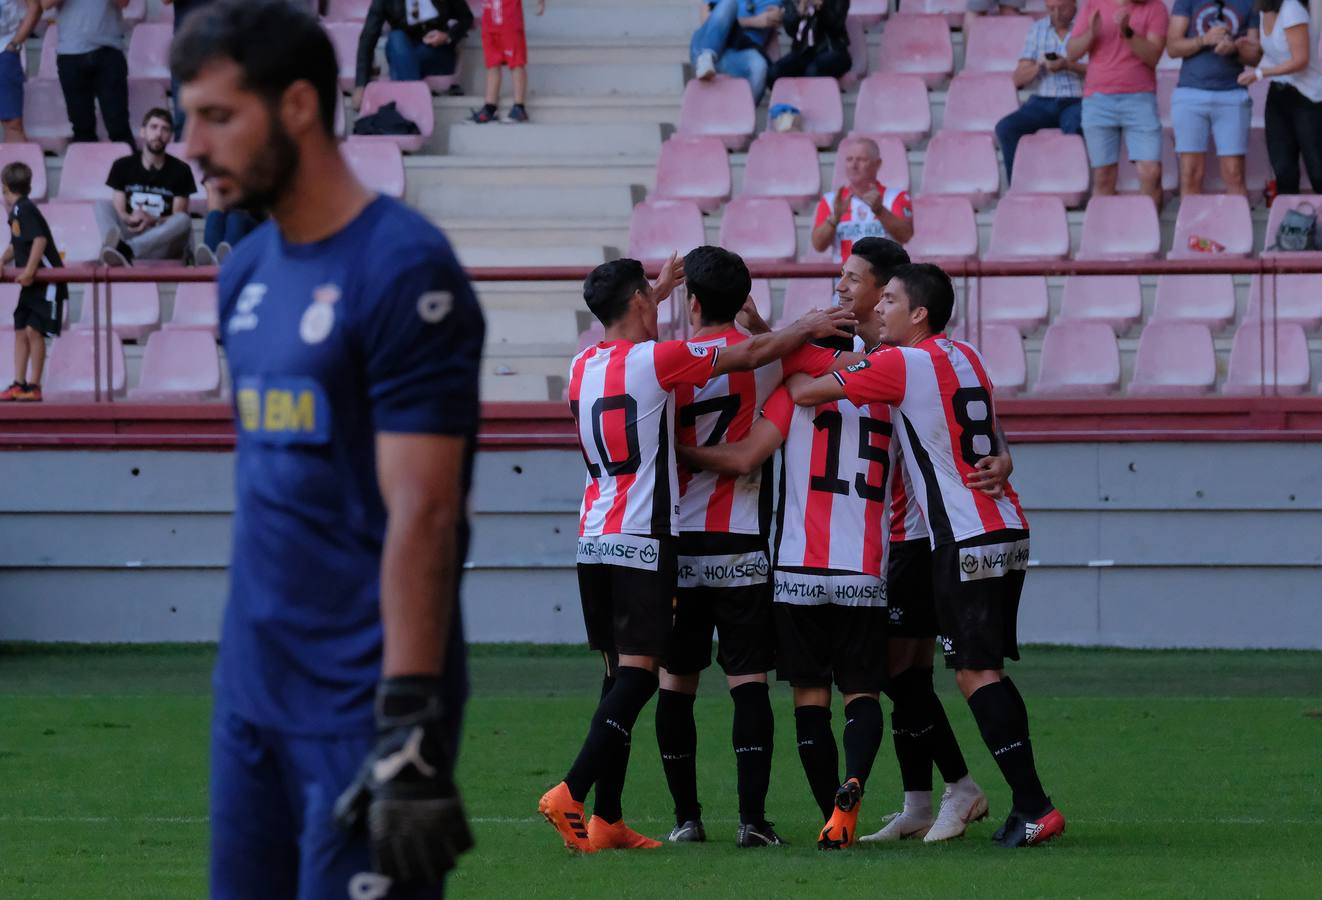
(369, 886)
(859, 366)
(245, 316)
(434, 306)
(319, 318)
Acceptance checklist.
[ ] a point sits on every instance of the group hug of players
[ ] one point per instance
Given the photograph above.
(896, 527)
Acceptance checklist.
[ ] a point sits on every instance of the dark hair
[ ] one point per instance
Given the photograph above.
(928, 286)
(610, 286)
(882, 254)
(157, 112)
(274, 42)
(17, 177)
(718, 280)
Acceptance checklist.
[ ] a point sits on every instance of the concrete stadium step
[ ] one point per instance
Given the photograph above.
(447, 202)
(610, 21)
(575, 254)
(516, 386)
(516, 235)
(609, 109)
(569, 173)
(619, 50)
(525, 327)
(565, 297)
(665, 79)
(554, 140)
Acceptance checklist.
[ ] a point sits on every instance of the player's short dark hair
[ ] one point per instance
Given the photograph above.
(718, 280)
(158, 112)
(882, 254)
(274, 42)
(609, 287)
(17, 177)
(928, 286)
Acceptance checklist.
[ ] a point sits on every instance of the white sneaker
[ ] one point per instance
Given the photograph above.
(705, 69)
(958, 809)
(901, 826)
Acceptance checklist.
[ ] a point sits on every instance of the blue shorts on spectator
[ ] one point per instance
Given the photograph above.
(1224, 115)
(1107, 116)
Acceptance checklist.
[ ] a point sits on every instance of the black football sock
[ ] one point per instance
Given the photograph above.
(818, 753)
(1005, 731)
(915, 765)
(610, 780)
(752, 735)
(607, 743)
(677, 739)
(937, 737)
(864, 726)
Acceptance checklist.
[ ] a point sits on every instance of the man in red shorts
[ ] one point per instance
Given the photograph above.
(504, 44)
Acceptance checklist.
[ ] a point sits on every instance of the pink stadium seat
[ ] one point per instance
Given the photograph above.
(347, 10)
(1297, 299)
(1127, 175)
(149, 51)
(693, 168)
(1258, 96)
(803, 294)
(1079, 358)
(197, 204)
(658, 228)
(1054, 164)
(595, 334)
(978, 102)
(1279, 206)
(994, 43)
(83, 176)
(46, 66)
(377, 164)
(818, 100)
(760, 291)
(135, 307)
(722, 108)
(344, 37)
(1223, 218)
(145, 94)
(412, 99)
(8, 300)
(858, 52)
(29, 153)
(1019, 301)
(1120, 227)
(1257, 167)
(951, 10)
(75, 230)
(1002, 350)
(71, 370)
(195, 307)
(178, 367)
(943, 228)
(1201, 299)
(894, 170)
(962, 164)
(134, 12)
(917, 45)
(1166, 80)
(1259, 364)
(1116, 300)
(1027, 226)
(894, 105)
(1174, 359)
(783, 165)
(868, 12)
(759, 229)
(45, 117)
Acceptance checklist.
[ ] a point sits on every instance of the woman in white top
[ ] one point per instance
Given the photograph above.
(1294, 99)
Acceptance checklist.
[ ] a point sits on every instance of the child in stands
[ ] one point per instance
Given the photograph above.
(40, 307)
(504, 44)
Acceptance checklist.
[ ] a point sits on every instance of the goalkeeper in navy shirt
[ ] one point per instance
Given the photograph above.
(353, 339)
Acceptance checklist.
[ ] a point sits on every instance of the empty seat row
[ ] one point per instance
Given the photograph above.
(135, 309)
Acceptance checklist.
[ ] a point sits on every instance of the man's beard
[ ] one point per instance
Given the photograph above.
(156, 147)
(270, 176)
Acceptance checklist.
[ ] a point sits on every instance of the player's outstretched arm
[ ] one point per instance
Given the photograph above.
(806, 391)
(765, 348)
(737, 458)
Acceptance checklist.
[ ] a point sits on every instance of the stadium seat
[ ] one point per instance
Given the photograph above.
(178, 367)
(347, 10)
(1223, 218)
(1116, 300)
(1079, 358)
(1019, 301)
(1126, 179)
(858, 52)
(1277, 212)
(1166, 80)
(1002, 350)
(759, 229)
(950, 10)
(1257, 167)
(818, 101)
(1174, 359)
(1259, 364)
(783, 165)
(135, 308)
(134, 12)
(75, 230)
(1258, 97)
(595, 334)
(962, 164)
(1053, 164)
(146, 94)
(344, 37)
(868, 12)
(1296, 299)
(377, 164)
(943, 228)
(693, 168)
(994, 43)
(1201, 299)
(195, 307)
(1120, 227)
(412, 99)
(1027, 226)
(197, 204)
(71, 370)
(803, 294)
(894, 105)
(29, 153)
(658, 228)
(86, 166)
(721, 108)
(45, 117)
(149, 51)
(978, 102)
(894, 172)
(760, 291)
(916, 45)
(47, 68)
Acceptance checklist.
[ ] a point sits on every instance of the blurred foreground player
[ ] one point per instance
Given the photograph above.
(353, 340)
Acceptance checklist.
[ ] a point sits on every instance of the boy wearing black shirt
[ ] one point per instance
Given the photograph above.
(40, 307)
(148, 217)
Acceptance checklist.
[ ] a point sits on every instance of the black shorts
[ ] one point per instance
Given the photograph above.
(628, 602)
(909, 590)
(821, 642)
(41, 308)
(977, 584)
(724, 586)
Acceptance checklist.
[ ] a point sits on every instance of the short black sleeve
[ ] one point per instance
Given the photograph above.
(118, 178)
(181, 182)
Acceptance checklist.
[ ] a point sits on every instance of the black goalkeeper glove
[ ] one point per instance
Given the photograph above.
(405, 792)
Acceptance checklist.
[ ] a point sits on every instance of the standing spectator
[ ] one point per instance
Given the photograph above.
(424, 39)
(17, 19)
(148, 216)
(1055, 80)
(1294, 98)
(182, 9)
(819, 43)
(40, 308)
(93, 69)
(1208, 99)
(735, 45)
(1123, 40)
(864, 207)
(504, 44)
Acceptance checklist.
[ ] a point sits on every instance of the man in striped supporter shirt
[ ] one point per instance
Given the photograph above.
(863, 207)
(621, 397)
(946, 423)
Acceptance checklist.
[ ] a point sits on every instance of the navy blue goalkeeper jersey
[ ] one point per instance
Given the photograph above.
(375, 329)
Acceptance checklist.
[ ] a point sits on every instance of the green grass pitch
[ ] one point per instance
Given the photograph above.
(1181, 773)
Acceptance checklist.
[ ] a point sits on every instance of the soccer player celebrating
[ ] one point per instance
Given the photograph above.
(946, 424)
(621, 397)
(353, 340)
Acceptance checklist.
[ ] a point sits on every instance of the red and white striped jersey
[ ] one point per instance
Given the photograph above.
(945, 419)
(620, 395)
(859, 221)
(906, 516)
(836, 468)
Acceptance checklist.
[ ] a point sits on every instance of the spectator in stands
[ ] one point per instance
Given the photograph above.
(17, 19)
(1207, 99)
(819, 43)
(92, 66)
(1294, 98)
(148, 216)
(977, 8)
(40, 308)
(864, 207)
(735, 44)
(222, 229)
(1123, 40)
(1056, 82)
(424, 39)
(504, 44)
(182, 10)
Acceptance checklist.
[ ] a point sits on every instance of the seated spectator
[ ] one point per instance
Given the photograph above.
(735, 45)
(222, 229)
(1123, 40)
(864, 207)
(819, 43)
(148, 216)
(1056, 82)
(424, 39)
(1207, 99)
(92, 67)
(1294, 98)
(17, 19)
(182, 10)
